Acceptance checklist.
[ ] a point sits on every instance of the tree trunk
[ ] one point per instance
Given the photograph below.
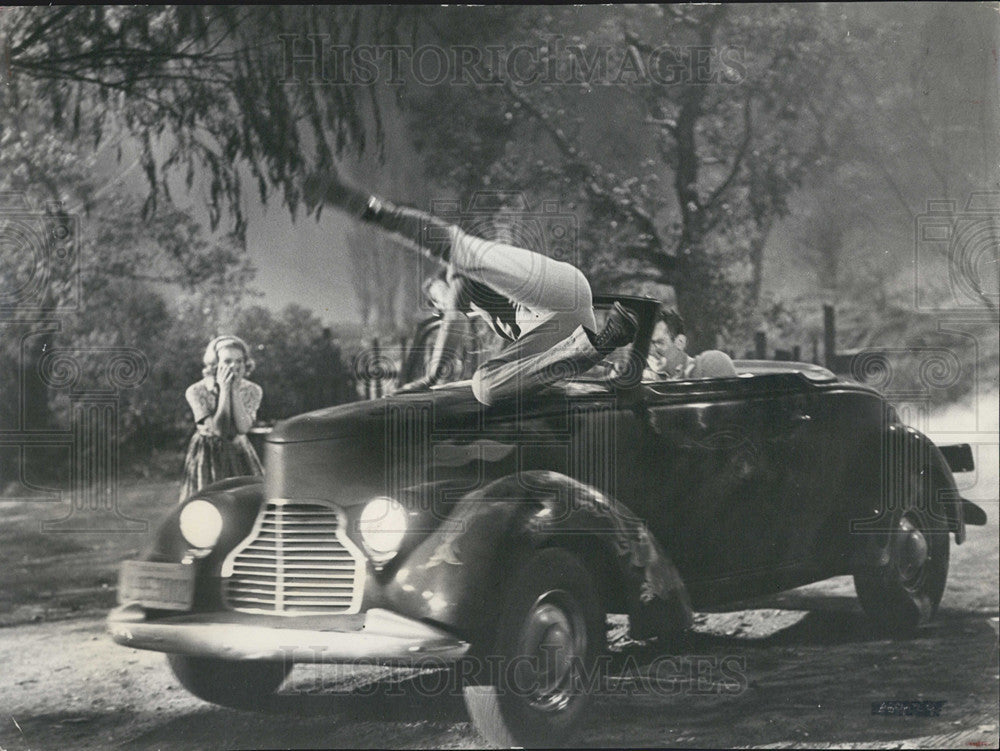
(757, 245)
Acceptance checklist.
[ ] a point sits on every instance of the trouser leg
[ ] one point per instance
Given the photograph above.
(534, 281)
(554, 291)
(534, 362)
(530, 279)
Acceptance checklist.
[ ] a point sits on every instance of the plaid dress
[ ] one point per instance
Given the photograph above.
(210, 456)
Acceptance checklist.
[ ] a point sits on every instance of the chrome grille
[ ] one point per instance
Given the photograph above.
(297, 561)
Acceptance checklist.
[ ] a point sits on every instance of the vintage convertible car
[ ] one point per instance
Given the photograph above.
(428, 529)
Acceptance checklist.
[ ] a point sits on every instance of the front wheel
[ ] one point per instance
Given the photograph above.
(905, 572)
(543, 665)
(240, 684)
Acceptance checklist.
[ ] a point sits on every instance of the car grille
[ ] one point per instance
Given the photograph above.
(297, 561)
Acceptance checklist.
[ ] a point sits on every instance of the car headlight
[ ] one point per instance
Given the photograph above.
(201, 524)
(382, 526)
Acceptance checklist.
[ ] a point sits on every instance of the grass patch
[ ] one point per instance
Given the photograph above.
(49, 575)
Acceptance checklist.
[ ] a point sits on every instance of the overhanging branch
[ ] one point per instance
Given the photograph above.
(587, 170)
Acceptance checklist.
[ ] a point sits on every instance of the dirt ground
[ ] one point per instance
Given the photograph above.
(800, 669)
(803, 670)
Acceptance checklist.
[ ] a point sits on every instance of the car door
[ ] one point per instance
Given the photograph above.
(728, 477)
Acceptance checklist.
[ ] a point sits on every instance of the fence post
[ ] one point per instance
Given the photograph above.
(760, 345)
(403, 355)
(376, 357)
(829, 335)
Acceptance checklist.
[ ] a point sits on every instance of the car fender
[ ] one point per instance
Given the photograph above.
(238, 500)
(913, 448)
(454, 576)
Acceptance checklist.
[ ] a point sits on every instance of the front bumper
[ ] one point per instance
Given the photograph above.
(377, 636)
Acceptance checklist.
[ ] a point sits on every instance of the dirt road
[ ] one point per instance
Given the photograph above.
(803, 669)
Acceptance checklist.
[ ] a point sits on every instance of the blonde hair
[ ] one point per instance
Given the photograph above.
(211, 356)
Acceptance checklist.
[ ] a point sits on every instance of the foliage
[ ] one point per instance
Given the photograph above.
(896, 152)
(713, 164)
(105, 298)
(205, 83)
(682, 185)
(300, 364)
(918, 124)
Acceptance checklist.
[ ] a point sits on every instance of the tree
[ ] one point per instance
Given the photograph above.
(206, 92)
(918, 124)
(679, 168)
(690, 175)
(97, 273)
(300, 364)
(211, 86)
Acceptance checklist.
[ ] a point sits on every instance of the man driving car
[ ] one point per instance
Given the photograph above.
(668, 359)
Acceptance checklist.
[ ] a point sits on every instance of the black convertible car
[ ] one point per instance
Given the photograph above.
(429, 529)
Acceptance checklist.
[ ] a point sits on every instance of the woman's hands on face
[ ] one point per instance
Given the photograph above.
(231, 366)
(225, 375)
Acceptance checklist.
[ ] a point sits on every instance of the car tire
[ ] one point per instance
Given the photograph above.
(903, 577)
(543, 664)
(240, 684)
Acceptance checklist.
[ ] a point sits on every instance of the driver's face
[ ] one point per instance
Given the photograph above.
(666, 353)
(661, 342)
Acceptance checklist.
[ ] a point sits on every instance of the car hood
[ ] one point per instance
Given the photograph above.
(349, 454)
(454, 403)
(452, 406)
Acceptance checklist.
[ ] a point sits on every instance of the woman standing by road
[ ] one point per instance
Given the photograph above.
(225, 405)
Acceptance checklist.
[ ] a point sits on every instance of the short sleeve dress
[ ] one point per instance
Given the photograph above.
(210, 456)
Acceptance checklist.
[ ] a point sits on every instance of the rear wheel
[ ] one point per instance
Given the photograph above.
(542, 668)
(903, 578)
(241, 684)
